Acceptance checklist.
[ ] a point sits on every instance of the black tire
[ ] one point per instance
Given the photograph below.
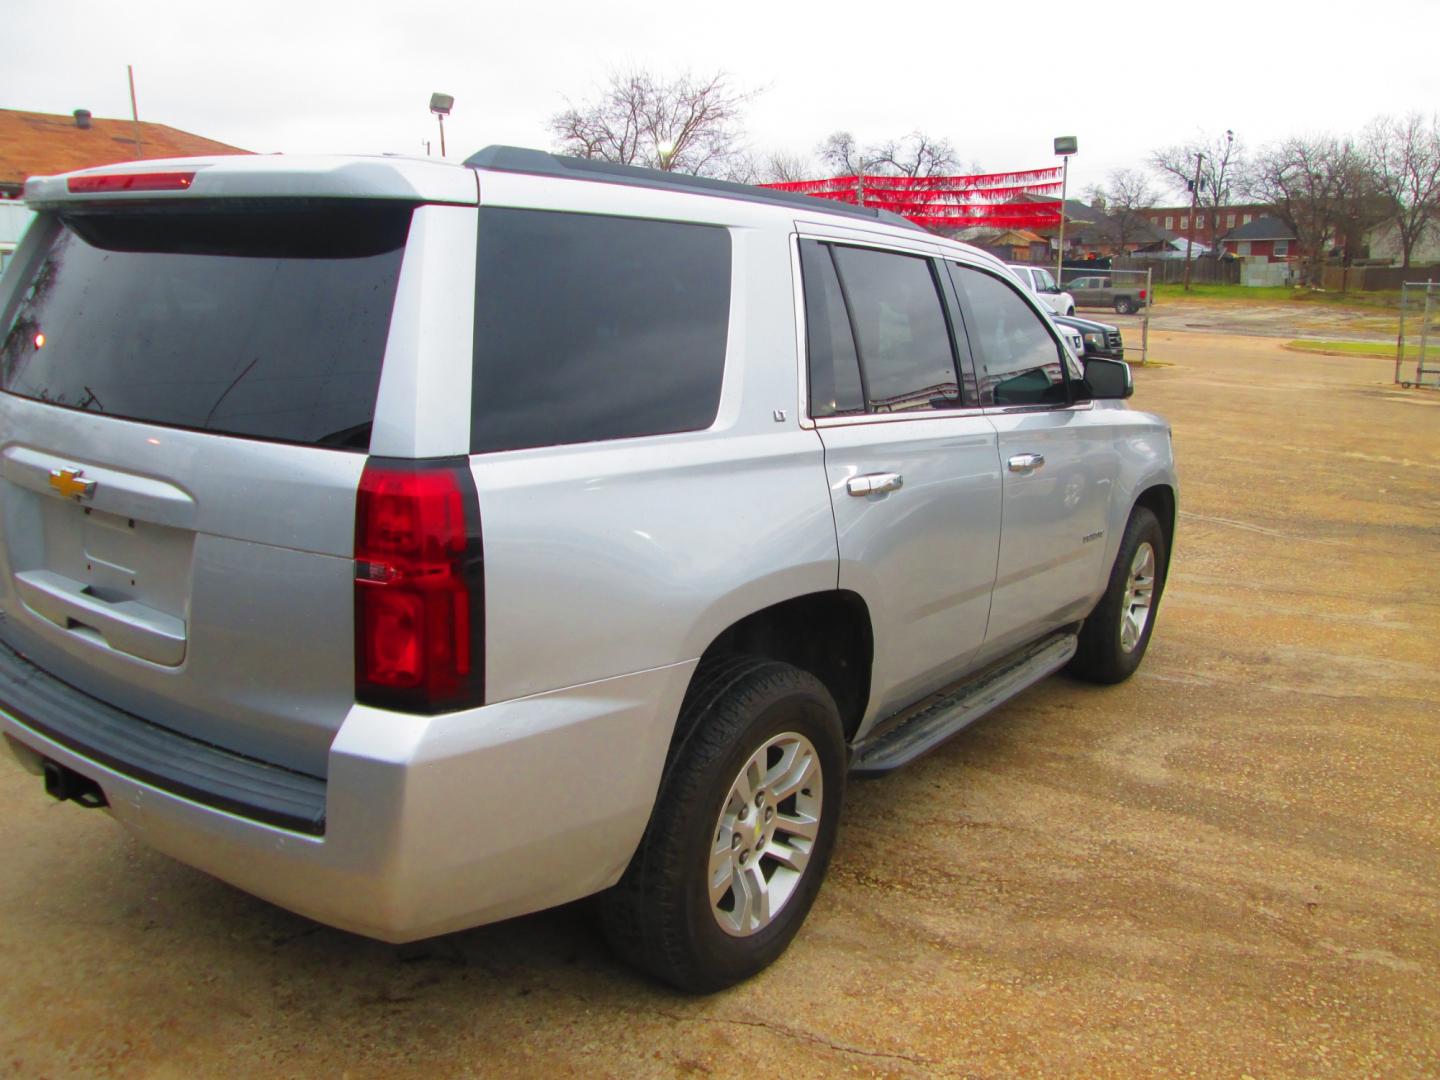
(659, 917)
(1123, 305)
(1103, 656)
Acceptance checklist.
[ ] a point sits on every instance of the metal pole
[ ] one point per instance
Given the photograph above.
(134, 109)
(1145, 323)
(1190, 242)
(1424, 340)
(441, 118)
(1400, 337)
(1060, 255)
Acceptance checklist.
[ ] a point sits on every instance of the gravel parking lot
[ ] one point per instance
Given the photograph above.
(1228, 866)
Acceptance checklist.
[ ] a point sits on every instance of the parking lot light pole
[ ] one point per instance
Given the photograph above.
(440, 105)
(1065, 145)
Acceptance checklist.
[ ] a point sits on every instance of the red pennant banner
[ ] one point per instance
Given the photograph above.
(993, 200)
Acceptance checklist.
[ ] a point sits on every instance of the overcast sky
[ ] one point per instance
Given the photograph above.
(999, 80)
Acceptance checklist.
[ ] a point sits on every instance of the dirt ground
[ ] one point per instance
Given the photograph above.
(1281, 319)
(1228, 866)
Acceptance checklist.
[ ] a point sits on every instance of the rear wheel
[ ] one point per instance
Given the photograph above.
(1115, 636)
(1123, 305)
(742, 829)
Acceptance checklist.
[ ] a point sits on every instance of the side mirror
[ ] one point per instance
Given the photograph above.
(1107, 380)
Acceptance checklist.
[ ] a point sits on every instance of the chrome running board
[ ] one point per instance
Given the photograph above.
(929, 722)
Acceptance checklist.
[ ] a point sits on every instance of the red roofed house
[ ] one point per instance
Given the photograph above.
(38, 144)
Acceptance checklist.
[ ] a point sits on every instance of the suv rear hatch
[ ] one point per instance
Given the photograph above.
(189, 391)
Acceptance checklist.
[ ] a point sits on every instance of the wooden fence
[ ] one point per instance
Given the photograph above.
(1371, 278)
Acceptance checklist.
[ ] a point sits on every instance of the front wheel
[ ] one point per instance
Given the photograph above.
(742, 828)
(1115, 636)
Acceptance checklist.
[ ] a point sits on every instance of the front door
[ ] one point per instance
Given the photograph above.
(912, 464)
(1057, 469)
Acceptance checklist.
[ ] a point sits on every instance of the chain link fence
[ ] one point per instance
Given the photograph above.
(1419, 333)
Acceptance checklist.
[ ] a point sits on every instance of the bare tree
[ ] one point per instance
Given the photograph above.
(1318, 186)
(1402, 155)
(841, 152)
(1126, 196)
(688, 124)
(777, 166)
(917, 154)
(1222, 167)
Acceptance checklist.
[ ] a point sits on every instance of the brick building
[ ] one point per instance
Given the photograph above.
(1176, 219)
(1266, 238)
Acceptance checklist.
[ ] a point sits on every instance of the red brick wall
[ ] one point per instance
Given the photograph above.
(1204, 232)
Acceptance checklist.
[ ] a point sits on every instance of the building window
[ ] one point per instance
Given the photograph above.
(1199, 221)
(1229, 221)
(1242, 248)
(1282, 248)
(1184, 221)
(1169, 221)
(1245, 219)
(1155, 220)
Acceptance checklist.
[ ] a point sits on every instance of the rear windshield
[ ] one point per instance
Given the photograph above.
(268, 322)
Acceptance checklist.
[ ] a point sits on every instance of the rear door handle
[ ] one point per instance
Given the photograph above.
(1026, 463)
(874, 483)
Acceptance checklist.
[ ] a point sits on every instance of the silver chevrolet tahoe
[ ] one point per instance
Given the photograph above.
(417, 545)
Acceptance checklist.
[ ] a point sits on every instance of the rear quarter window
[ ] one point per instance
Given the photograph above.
(589, 328)
(266, 321)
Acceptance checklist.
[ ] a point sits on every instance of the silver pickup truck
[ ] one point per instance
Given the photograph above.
(417, 545)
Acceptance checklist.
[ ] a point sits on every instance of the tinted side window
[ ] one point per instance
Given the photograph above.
(834, 367)
(590, 328)
(1019, 363)
(904, 342)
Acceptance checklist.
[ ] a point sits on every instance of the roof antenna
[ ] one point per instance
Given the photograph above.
(134, 110)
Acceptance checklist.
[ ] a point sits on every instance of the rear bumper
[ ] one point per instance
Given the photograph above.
(430, 823)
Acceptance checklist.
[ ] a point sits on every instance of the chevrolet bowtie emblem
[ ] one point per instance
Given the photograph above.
(71, 483)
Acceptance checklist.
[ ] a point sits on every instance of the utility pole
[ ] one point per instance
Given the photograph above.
(134, 110)
(1190, 238)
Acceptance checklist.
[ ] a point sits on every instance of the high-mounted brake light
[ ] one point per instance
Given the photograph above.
(419, 587)
(154, 181)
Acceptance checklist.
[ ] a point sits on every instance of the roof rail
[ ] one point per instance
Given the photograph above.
(517, 159)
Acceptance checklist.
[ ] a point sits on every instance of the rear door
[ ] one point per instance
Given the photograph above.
(189, 395)
(911, 461)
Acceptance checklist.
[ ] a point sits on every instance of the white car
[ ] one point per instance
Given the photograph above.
(1040, 282)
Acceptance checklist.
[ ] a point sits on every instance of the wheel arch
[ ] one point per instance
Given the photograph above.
(829, 634)
(1160, 500)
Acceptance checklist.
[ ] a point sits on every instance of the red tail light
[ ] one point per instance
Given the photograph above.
(1142, 294)
(154, 181)
(419, 587)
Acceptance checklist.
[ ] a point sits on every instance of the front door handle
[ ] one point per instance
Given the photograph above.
(874, 483)
(1026, 463)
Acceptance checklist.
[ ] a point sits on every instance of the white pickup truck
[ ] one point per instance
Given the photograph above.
(1042, 283)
